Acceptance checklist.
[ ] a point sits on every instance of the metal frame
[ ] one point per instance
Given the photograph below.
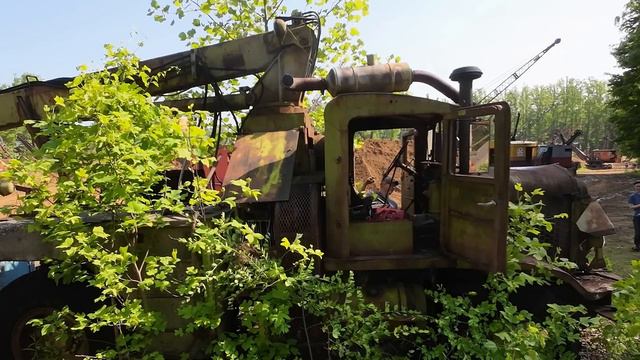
(475, 230)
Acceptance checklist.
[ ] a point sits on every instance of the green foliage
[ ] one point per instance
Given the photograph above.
(527, 224)
(487, 325)
(621, 337)
(207, 22)
(624, 87)
(496, 329)
(58, 341)
(108, 147)
(97, 189)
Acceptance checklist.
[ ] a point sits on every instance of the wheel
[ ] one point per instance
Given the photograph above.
(35, 296)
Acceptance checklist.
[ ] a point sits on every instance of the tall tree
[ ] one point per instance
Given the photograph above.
(625, 87)
(210, 21)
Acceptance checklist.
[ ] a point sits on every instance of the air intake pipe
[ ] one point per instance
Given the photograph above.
(465, 76)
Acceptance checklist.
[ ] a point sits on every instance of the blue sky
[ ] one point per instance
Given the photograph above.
(50, 38)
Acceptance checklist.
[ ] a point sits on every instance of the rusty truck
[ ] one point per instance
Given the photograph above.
(453, 216)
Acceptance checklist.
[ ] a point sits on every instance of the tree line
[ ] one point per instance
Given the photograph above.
(545, 111)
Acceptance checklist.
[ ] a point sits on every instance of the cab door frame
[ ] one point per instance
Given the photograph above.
(474, 209)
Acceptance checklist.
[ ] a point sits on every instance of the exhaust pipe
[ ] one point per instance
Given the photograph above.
(377, 78)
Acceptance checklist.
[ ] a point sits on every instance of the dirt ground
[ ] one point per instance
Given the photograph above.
(611, 186)
(10, 202)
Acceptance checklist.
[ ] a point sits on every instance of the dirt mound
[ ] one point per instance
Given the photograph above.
(372, 159)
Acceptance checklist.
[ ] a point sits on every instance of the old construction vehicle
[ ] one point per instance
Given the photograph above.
(597, 159)
(452, 223)
(559, 151)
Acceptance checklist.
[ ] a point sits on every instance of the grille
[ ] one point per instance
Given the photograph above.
(297, 215)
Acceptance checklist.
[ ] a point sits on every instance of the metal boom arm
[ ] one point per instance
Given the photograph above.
(516, 75)
(287, 49)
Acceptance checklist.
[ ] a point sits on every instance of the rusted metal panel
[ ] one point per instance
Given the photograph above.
(591, 286)
(428, 260)
(564, 193)
(274, 118)
(299, 215)
(212, 104)
(553, 179)
(471, 233)
(17, 243)
(559, 187)
(594, 221)
(606, 155)
(267, 53)
(268, 160)
(233, 61)
(381, 238)
(25, 101)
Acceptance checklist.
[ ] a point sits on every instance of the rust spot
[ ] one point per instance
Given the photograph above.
(268, 159)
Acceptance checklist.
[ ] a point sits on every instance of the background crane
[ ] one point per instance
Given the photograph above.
(516, 75)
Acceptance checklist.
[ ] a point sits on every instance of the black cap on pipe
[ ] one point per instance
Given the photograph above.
(465, 73)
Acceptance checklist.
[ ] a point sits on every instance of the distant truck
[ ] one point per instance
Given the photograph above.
(606, 155)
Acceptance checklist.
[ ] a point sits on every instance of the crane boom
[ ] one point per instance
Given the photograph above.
(517, 74)
(291, 49)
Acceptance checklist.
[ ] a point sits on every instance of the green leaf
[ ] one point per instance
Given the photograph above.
(66, 243)
(98, 231)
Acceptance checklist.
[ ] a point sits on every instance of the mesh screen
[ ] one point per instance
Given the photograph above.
(295, 215)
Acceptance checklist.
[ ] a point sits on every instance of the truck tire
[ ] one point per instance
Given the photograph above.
(35, 296)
